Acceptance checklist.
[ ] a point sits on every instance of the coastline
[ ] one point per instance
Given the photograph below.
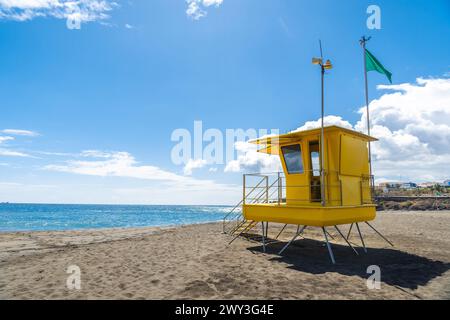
(111, 229)
(69, 217)
(16, 241)
(194, 262)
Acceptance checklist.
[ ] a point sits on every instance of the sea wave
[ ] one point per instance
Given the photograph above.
(44, 217)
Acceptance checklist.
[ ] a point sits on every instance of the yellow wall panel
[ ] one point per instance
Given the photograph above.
(354, 156)
(351, 190)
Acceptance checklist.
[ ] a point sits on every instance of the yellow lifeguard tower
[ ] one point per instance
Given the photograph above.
(340, 193)
(306, 193)
(326, 182)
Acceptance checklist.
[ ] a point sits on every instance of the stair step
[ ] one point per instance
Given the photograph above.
(245, 226)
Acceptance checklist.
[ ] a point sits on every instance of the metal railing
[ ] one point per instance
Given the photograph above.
(272, 189)
(234, 218)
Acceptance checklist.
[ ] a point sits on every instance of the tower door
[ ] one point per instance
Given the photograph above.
(314, 173)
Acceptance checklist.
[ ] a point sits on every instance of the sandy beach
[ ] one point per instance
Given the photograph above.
(195, 262)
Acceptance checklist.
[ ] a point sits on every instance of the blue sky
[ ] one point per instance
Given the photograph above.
(126, 80)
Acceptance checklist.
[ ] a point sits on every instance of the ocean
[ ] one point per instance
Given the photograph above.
(45, 217)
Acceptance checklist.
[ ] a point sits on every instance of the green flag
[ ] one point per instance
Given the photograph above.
(372, 64)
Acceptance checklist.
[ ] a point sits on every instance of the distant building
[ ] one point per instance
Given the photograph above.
(408, 186)
(428, 184)
(388, 186)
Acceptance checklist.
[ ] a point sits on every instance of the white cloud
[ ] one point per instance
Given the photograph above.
(412, 124)
(20, 132)
(152, 185)
(83, 10)
(123, 164)
(96, 154)
(208, 3)
(118, 164)
(11, 153)
(118, 194)
(58, 154)
(328, 121)
(17, 132)
(249, 159)
(5, 138)
(193, 164)
(197, 8)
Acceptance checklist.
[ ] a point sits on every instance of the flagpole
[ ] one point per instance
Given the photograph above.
(363, 42)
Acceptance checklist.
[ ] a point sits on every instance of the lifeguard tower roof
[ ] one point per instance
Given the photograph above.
(275, 140)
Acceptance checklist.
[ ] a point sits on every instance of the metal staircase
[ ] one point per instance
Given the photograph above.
(234, 222)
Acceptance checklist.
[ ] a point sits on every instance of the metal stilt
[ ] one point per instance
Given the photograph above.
(349, 244)
(292, 240)
(362, 240)
(279, 234)
(380, 234)
(331, 236)
(328, 246)
(263, 237)
(349, 231)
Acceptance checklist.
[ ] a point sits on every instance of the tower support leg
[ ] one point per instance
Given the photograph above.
(349, 231)
(263, 237)
(330, 235)
(349, 244)
(361, 237)
(384, 238)
(279, 234)
(328, 246)
(299, 232)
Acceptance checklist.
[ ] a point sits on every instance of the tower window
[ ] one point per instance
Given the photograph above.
(293, 158)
